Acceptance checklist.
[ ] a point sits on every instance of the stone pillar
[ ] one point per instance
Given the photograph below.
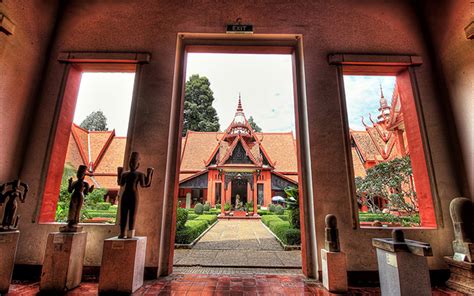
(334, 262)
(254, 192)
(8, 245)
(461, 264)
(63, 261)
(123, 265)
(403, 269)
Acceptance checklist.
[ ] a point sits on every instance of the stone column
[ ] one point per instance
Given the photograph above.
(8, 246)
(123, 265)
(403, 269)
(255, 209)
(63, 261)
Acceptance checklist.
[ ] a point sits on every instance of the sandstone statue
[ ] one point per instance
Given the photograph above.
(18, 190)
(130, 195)
(79, 189)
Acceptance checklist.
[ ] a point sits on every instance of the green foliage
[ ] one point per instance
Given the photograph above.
(391, 181)
(407, 221)
(293, 236)
(271, 208)
(293, 205)
(181, 218)
(100, 214)
(210, 219)
(192, 216)
(191, 231)
(284, 217)
(227, 206)
(199, 114)
(104, 206)
(249, 206)
(96, 121)
(268, 219)
(279, 210)
(199, 208)
(264, 212)
(207, 207)
(254, 126)
(218, 206)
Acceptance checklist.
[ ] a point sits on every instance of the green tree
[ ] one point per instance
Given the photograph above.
(96, 121)
(199, 115)
(392, 181)
(254, 126)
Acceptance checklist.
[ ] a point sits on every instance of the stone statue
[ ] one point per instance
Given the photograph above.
(462, 215)
(10, 219)
(130, 196)
(331, 241)
(238, 203)
(79, 189)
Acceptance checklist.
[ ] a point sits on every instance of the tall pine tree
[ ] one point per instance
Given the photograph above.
(96, 121)
(199, 115)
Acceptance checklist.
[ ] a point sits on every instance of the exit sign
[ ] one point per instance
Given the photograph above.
(239, 29)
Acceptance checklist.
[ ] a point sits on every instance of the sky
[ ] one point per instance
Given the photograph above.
(265, 83)
(363, 96)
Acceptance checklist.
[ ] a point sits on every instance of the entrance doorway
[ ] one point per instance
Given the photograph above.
(239, 193)
(256, 44)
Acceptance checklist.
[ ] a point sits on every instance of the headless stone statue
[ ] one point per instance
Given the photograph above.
(462, 215)
(332, 234)
(79, 189)
(130, 195)
(10, 219)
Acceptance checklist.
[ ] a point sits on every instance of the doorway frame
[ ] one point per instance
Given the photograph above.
(252, 44)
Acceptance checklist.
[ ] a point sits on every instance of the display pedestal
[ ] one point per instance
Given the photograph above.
(123, 265)
(334, 267)
(63, 261)
(462, 276)
(8, 245)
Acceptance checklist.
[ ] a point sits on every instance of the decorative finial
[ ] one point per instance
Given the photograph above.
(239, 105)
(381, 91)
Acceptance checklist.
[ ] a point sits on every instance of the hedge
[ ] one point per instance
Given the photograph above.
(282, 229)
(191, 231)
(101, 214)
(102, 206)
(284, 217)
(192, 216)
(264, 212)
(210, 219)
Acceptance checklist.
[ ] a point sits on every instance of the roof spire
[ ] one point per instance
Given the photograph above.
(381, 91)
(239, 105)
(383, 101)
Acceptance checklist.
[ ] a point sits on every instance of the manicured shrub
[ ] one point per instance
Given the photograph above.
(284, 217)
(214, 211)
(99, 214)
(293, 237)
(103, 206)
(295, 218)
(264, 212)
(190, 232)
(271, 208)
(181, 218)
(113, 208)
(279, 229)
(279, 210)
(210, 219)
(259, 207)
(218, 206)
(207, 207)
(268, 219)
(192, 216)
(199, 208)
(227, 206)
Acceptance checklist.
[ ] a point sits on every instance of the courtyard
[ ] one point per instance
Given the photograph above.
(238, 243)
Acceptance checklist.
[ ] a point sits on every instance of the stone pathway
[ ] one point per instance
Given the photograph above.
(238, 243)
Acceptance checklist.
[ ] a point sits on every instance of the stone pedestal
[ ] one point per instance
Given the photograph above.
(334, 268)
(123, 265)
(8, 245)
(63, 261)
(403, 273)
(462, 276)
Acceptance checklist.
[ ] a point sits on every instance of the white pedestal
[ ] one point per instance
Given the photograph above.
(123, 265)
(334, 268)
(403, 273)
(63, 261)
(8, 245)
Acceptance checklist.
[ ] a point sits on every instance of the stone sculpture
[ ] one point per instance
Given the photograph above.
(461, 264)
(79, 189)
(331, 242)
(10, 219)
(130, 195)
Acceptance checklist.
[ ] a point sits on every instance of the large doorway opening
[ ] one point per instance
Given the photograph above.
(237, 146)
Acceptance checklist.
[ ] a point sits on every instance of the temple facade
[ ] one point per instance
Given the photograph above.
(236, 166)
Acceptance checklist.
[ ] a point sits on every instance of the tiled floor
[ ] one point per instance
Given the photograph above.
(195, 284)
(238, 243)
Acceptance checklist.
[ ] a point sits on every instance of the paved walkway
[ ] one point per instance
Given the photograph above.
(238, 243)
